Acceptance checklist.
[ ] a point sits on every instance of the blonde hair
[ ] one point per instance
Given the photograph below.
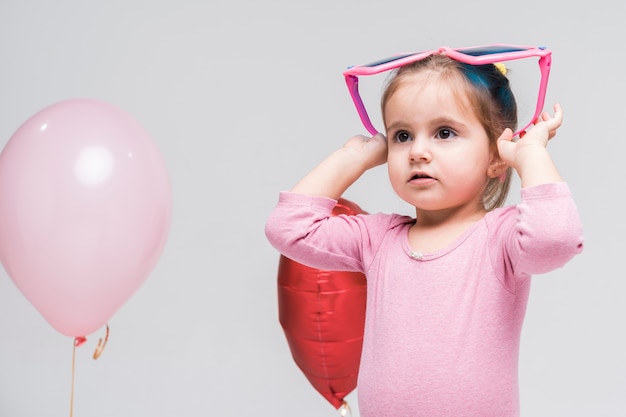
(486, 89)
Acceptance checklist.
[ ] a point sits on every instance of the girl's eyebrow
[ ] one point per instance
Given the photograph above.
(439, 121)
(395, 125)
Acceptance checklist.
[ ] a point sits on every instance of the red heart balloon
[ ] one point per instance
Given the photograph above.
(322, 314)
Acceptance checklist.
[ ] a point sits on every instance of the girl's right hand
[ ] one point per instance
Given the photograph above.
(333, 176)
(371, 152)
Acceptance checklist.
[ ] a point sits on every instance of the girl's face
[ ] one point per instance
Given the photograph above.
(439, 156)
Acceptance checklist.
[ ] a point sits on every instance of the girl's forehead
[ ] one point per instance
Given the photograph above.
(421, 98)
(445, 89)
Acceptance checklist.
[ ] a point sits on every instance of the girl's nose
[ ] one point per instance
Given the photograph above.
(419, 150)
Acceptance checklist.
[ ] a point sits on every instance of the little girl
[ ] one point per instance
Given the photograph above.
(447, 289)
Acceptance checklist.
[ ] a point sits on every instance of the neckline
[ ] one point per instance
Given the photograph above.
(427, 256)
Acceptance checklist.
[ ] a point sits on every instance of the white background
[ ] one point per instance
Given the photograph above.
(242, 98)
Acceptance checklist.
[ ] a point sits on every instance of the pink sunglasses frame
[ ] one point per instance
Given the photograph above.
(467, 55)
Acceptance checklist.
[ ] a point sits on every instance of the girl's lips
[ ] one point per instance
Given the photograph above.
(421, 178)
(420, 175)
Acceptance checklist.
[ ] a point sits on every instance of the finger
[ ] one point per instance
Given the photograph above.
(557, 108)
(506, 146)
(505, 140)
(380, 138)
(558, 112)
(506, 136)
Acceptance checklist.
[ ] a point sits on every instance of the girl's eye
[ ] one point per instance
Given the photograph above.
(402, 137)
(445, 133)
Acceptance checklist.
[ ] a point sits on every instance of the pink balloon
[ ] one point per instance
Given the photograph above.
(85, 211)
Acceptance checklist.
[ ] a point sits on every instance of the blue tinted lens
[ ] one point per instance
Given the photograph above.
(387, 60)
(488, 50)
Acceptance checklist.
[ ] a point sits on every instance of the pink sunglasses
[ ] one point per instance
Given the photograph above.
(477, 55)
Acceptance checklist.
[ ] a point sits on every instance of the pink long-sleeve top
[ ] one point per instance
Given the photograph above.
(442, 329)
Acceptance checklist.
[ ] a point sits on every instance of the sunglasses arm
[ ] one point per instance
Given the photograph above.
(545, 63)
(352, 82)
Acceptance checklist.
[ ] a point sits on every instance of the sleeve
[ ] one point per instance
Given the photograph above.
(302, 228)
(547, 232)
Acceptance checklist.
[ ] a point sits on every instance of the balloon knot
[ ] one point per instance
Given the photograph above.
(79, 340)
(344, 410)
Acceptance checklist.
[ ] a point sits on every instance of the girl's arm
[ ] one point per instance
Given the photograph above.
(332, 177)
(529, 156)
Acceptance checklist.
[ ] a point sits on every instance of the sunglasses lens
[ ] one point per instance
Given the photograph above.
(388, 60)
(489, 50)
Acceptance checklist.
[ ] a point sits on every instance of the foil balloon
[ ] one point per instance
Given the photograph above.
(322, 314)
(85, 210)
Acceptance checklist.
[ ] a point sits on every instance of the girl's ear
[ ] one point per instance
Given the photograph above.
(496, 167)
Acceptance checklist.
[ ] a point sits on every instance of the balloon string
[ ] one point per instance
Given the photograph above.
(96, 354)
(72, 390)
(77, 342)
(344, 410)
(101, 345)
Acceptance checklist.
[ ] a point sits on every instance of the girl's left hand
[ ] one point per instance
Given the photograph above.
(539, 135)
